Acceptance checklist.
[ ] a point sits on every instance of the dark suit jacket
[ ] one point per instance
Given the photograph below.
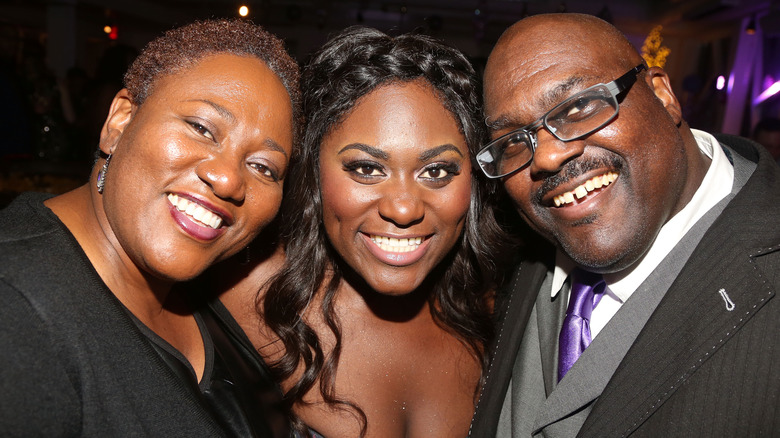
(696, 368)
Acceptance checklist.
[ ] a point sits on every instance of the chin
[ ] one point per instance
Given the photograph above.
(390, 281)
(391, 285)
(394, 289)
(176, 270)
(178, 276)
(604, 250)
(604, 261)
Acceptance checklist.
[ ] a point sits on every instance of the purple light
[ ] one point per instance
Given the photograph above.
(721, 82)
(731, 83)
(769, 92)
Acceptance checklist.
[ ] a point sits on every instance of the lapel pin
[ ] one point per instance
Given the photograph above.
(729, 304)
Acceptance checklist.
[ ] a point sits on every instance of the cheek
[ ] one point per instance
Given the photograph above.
(453, 205)
(341, 203)
(152, 155)
(519, 190)
(262, 205)
(656, 166)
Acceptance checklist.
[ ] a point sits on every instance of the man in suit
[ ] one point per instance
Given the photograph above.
(677, 334)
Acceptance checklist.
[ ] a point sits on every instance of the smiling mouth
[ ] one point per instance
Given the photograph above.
(581, 191)
(196, 212)
(392, 244)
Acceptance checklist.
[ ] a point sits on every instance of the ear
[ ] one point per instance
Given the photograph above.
(119, 116)
(659, 82)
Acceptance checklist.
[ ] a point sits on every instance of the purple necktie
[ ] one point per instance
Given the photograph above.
(587, 289)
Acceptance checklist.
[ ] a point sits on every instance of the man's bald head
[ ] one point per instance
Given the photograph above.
(646, 150)
(559, 38)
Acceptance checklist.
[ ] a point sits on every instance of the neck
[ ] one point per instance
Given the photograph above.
(149, 298)
(398, 308)
(82, 213)
(698, 164)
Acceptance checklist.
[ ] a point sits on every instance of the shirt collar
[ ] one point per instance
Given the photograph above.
(716, 185)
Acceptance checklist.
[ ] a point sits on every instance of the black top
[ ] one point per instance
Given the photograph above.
(75, 363)
(242, 393)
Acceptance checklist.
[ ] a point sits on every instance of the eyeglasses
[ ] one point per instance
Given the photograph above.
(582, 114)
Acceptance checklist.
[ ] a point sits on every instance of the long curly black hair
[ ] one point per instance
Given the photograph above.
(349, 66)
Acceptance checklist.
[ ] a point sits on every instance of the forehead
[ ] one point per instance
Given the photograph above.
(222, 72)
(401, 115)
(533, 69)
(243, 89)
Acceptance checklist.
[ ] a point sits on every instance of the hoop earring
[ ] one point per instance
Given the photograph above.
(101, 178)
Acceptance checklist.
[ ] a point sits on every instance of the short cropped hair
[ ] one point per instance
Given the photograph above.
(181, 47)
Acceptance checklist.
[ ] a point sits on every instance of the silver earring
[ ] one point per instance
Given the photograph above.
(101, 178)
(247, 255)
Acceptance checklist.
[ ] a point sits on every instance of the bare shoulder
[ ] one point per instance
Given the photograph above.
(241, 285)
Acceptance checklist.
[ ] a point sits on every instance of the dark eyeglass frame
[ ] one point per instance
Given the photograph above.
(614, 88)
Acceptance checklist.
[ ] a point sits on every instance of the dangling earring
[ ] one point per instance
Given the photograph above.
(247, 255)
(101, 178)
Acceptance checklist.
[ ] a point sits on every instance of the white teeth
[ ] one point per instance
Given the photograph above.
(198, 213)
(589, 185)
(391, 244)
(581, 191)
(195, 211)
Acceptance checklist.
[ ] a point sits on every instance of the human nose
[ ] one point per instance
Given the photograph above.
(551, 154)
(401, 204)
(223, 175)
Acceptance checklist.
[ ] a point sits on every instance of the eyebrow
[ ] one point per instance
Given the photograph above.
(382, 155)
(370, 150)
(547, 100)
(438, 150)
(500, 123)
(560, 92)
(274, 146)
(224, 112)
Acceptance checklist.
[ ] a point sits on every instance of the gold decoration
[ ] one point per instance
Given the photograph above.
(652, 51)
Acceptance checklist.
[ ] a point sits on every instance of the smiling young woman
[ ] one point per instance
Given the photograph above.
(193, 155)
(377, 322)
(396, 186)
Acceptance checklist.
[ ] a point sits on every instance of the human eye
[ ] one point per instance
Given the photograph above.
(440, 172)
(265, 171)
(202, 130)
(514, 139)
(364, 169)
(581, 107)
(515, 143)
(513, 149)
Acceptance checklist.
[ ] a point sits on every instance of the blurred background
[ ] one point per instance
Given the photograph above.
(61, 61)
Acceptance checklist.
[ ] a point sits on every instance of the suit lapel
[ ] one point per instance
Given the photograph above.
(551, 314)
(515, 310)
(691, 324)
(715, 295)
(590, 374)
